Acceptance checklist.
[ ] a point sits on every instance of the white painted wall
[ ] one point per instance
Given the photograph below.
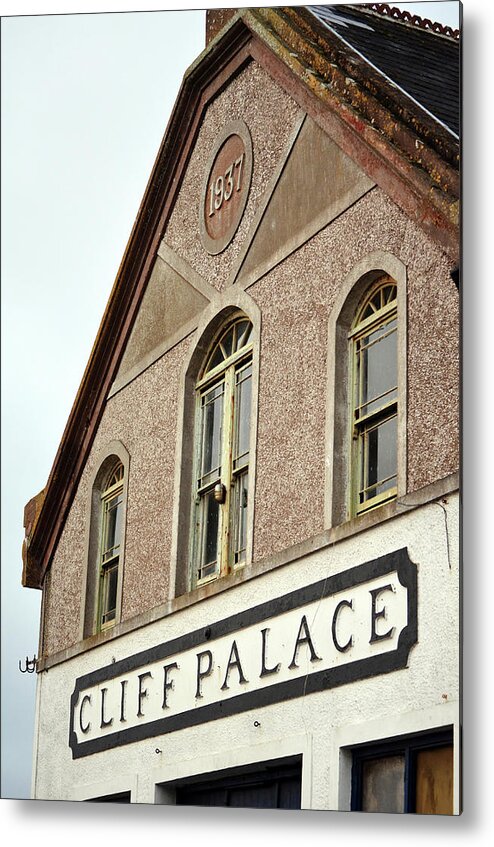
(319, 725)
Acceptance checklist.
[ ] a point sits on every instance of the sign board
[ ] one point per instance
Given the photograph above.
(352, 625)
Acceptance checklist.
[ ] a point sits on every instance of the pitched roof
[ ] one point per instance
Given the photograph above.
(422, 60)
(402, 146)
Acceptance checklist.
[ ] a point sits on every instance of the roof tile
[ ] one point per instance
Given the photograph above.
(423, 63)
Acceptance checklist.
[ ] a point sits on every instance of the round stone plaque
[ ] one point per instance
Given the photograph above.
(226, 187)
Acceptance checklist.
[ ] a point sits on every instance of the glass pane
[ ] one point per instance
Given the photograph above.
(110, 580)
(368, 311)
(116, 476)
(240, 518)
(243, 392)
(383, 784)
(209, 535)
(215, 359)
(434, 784)
(379, 460)
(243, 333)
(227, 342)
(212, 414)
(113, 526)
(389, 294)
(376, 369)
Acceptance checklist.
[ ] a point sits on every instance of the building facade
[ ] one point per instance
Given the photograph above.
(248, 546)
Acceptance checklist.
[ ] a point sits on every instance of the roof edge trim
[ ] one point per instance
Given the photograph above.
(406, 17)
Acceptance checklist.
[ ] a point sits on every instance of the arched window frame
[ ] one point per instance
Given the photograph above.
(110, 547)
(220, 490)
(374, 416)
(225, 307)
(101, 493)
(338, 453)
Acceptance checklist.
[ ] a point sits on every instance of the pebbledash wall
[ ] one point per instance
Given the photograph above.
(336, 633)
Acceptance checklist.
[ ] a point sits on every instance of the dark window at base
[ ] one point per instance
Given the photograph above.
(122, 797)
(270, 786)
(411, 774)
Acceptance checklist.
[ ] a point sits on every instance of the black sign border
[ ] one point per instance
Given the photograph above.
(397, 561)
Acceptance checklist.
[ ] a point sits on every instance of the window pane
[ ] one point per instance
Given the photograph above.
(254, 796)
(215, 359)
(276, 788)
(434, 784)
(116, 476)
(243, 334)
(227, 343)
(212, 412)
(110, 579)
(379, 460)
(240, 518)
(376, 369)
(388, 294)
(243, 393)
(209, 535)
(383, 784)
(113, 527)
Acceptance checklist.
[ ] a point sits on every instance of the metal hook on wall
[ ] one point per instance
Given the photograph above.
(30, 665)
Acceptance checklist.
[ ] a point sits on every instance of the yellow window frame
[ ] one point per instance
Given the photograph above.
(115, 489)
(228, 476)
(361, 425)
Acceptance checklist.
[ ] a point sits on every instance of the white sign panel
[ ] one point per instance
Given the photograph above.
(355, 624)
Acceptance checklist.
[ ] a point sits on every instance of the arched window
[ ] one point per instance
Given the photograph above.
(374, 381)
(105, 540)
(110, 546)
(221, 475)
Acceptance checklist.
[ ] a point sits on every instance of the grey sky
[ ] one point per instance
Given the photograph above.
(85, 103)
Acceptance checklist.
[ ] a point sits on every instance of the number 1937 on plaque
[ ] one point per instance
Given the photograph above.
(222, 188)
